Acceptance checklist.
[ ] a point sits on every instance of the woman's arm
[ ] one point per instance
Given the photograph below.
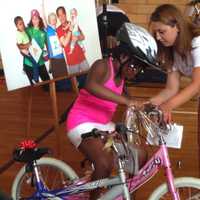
(171, 89)
(185, 94)
(95, 81)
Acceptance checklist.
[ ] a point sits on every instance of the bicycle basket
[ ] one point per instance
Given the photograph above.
(171, 134)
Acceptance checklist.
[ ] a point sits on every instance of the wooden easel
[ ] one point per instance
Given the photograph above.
(52, 90)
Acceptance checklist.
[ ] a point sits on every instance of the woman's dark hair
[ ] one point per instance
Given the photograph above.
(60, 8)
(17, 19)
(121, 50)
(41, 23)
(124, 50)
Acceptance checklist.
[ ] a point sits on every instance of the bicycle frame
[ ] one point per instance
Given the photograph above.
(120, 186)
(72, 192)
(158, 160)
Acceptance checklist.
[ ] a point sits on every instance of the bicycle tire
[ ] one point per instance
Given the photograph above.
(180, 183)
(59, 165)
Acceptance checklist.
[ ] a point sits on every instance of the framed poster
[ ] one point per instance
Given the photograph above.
(40, 40)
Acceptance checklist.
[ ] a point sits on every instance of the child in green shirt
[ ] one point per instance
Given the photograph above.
(23, 43)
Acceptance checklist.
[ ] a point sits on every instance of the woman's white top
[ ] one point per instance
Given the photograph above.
(185, 66)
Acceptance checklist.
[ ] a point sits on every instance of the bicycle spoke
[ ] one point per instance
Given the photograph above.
(194, 197)
(51, 177)
(185, 193)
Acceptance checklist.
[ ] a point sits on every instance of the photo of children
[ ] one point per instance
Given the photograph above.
(75, 55)
(57, 64)
(75, 30)
(31, 41)
(35, 31)
(23, 43)
(47, 40)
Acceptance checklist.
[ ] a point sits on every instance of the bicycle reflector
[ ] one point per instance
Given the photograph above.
(27, 144)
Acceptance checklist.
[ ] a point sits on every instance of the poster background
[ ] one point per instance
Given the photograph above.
(11, 57)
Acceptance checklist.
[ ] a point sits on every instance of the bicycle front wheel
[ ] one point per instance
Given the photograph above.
(54, 174)
(188, 188)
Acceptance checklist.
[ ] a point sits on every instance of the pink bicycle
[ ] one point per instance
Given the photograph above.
(48, 178)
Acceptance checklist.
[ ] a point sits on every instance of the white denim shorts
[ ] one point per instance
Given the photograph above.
(74, 134)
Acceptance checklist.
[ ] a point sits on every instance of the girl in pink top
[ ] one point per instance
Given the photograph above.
(96, 105)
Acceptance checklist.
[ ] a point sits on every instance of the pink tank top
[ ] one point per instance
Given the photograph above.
(89, 108)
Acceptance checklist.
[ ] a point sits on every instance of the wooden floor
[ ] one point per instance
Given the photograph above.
(13, 127)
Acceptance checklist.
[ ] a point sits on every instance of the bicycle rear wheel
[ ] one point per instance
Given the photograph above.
(54, 173)
(188, 187)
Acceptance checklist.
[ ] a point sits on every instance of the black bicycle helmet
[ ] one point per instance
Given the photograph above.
(140, 42)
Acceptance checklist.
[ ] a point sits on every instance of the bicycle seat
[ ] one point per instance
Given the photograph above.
(29, 155)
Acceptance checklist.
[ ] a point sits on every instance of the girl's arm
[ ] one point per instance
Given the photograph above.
(95, 81)
(66, 38)
(23, 46)
(171, 88)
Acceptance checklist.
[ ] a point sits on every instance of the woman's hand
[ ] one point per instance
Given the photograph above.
(165, 108)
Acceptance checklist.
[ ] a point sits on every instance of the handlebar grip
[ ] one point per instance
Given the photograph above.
(121, 128)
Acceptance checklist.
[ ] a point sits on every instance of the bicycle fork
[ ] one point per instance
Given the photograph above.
(122, 176)
(169, 174)
(39, 184)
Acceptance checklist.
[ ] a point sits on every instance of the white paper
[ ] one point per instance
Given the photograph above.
(35, 50)
(173, 139)
(55, 45)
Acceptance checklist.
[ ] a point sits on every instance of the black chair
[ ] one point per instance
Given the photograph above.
(109, 22)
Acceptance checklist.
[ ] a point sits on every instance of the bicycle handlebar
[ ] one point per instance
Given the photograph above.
(151, 119)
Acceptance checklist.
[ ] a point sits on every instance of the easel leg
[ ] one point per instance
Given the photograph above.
(74, 83)
(55, 113)
(198, 132)
(30, 100)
